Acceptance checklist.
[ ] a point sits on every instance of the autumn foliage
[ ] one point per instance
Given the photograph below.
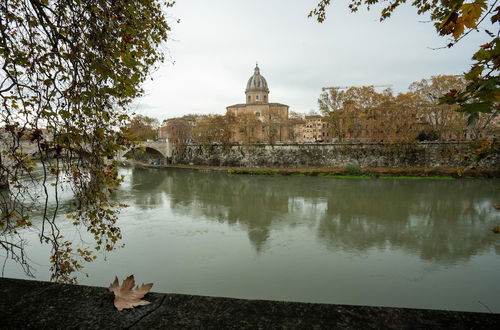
(69, 70)
(142, 128)
(362, 113)
(455, 19)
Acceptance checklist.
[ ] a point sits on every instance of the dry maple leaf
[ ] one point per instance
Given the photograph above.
(128, 297)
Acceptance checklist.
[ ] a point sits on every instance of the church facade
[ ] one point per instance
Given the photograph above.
(258, 119)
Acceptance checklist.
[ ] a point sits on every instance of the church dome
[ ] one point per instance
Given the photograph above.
(257, 82)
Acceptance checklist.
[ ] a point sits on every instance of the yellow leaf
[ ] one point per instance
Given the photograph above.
(447, 26)
(128, 297)
(471, 12)
(458, 29)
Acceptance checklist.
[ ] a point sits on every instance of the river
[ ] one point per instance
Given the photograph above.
(381, 242)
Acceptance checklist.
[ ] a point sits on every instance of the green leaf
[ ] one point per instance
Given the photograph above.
(473, 117)
(64, 114)
(482, 55)
(474, 108)
(474, 73)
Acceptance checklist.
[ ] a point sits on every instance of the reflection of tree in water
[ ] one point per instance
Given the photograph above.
(439, 220)
(255, 203)
(147, 187)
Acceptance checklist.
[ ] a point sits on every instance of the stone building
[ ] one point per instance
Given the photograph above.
(296, 129)
(315, 129)
(258, 119)
(178, 130)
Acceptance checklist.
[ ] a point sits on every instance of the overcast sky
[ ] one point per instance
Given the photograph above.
(213, 50)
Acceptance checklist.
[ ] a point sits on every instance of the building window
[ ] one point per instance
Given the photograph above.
(265, 98)
(249, 98)
(256, 97)
(257, 114)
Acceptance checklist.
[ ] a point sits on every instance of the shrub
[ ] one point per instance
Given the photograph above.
(352, 169)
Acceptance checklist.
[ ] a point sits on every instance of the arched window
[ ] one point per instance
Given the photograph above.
(256, 97)
(257, 114)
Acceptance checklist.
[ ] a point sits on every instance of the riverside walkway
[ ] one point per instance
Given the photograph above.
(44, 305)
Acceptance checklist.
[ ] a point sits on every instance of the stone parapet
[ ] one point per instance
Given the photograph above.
(45, 305)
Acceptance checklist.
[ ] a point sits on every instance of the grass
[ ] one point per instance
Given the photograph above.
(347, 176)
(385, 177)
(416, 177)
(355, 172)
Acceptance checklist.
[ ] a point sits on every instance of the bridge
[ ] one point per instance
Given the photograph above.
(151, 151)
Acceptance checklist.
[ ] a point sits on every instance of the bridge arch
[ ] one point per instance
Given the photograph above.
(145, 154)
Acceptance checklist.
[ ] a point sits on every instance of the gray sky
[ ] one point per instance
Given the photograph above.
(214, 48)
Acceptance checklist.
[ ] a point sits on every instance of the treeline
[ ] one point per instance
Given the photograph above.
(353, 114)
(225, 129)
(362, 113)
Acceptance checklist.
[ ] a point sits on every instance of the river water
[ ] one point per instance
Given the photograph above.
(404, 243)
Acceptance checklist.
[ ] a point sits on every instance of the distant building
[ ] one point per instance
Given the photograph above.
(296, 129)
(260, 120)
(178, 130)
(315, 129)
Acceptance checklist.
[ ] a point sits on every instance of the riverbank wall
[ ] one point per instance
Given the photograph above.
(44, 305)
(338, 155)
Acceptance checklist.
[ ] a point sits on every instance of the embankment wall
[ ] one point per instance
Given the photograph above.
(427, 154)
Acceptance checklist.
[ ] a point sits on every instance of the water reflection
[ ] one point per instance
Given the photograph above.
(441, 221)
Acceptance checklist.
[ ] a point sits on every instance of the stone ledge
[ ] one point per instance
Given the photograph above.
(44, 305)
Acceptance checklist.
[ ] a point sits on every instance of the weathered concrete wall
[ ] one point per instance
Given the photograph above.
(44, 305)
(428, 154)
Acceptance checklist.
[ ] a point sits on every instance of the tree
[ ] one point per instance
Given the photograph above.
(225, 128)
(69, 70)
(442, 120)
(142, 128)
(203, 132)
(455, 19)
(179, 130)
(331, 105)
(395, 119)
(215, 129)
(274, 125)
(247, 126)
(296, 123)
(361, 113)
(346, 109)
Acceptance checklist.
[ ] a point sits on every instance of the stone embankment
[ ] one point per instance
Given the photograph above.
(44, 305)
(428, 154)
